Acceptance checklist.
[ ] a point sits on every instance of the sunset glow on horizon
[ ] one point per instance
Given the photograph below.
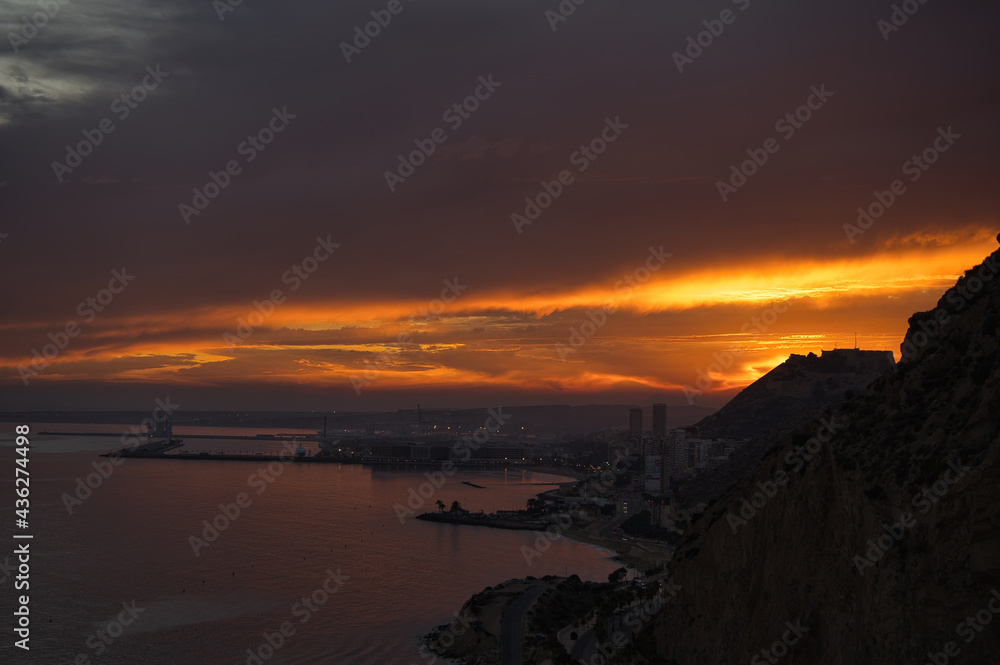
(444, 219)
(657, 335)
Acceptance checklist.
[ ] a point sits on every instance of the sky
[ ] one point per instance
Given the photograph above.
(236, 189)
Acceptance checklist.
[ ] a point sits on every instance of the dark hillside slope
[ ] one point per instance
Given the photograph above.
(881, 541)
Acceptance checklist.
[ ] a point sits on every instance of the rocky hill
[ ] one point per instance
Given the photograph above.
(798, 384)
(774, 404)
(869, 533)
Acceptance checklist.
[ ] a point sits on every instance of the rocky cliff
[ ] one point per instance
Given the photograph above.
(774, 405)
(794, 386)
(869, 533)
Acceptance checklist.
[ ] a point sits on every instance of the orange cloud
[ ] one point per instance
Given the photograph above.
(665, 327)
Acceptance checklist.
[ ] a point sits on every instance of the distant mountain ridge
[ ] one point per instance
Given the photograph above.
(546, 420)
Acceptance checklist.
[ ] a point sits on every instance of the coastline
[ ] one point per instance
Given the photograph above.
(479, 638)
(633, 555)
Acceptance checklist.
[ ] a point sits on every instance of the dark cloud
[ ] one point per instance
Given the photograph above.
(324, 173)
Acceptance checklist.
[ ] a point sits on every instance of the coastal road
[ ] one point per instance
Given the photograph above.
(512, 635)
(585, 647)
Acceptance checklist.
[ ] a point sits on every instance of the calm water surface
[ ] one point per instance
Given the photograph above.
(130, 541)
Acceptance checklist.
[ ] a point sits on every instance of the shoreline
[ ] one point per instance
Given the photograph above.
(620, 551)
(635, 554)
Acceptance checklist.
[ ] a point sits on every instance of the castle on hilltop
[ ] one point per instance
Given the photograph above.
(840, 360)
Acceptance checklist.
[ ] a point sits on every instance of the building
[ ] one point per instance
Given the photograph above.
(621, 451)
(659, 420)
(664, 475)
(635, 423)
(653, 446)
(653, 472)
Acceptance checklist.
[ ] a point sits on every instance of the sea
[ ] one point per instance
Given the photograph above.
(131, 574)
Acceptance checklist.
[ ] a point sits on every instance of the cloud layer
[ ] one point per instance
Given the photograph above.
(779, 238)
